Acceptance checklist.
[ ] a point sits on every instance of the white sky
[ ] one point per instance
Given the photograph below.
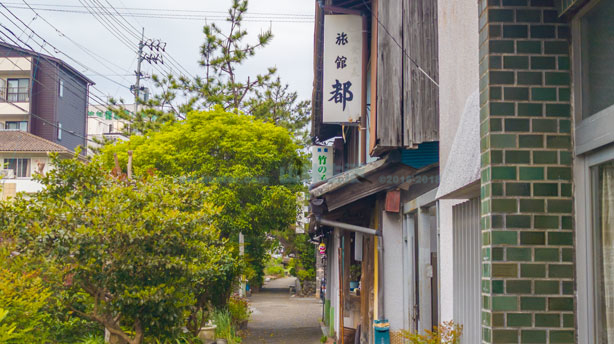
(291, 50)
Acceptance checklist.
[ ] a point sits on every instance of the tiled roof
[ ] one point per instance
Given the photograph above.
(21, 141)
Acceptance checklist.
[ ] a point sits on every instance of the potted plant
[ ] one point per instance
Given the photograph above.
(355, 271)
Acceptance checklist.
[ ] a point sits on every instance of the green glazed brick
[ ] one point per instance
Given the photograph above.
(486, 286)
(532, 238)
(558, 110)
(486, 335)
(545, 189)
(485, 302)
(546, 221)
(497, 189)
(552, 17)
(498, 15)
(494, 31)
(515, 31)
(563, 62)
(567, 255)
(533, 336)
(533, 270)
(501, 77)
(531, 173)
(517, 124)
(518, 287)
(543, 62)
(556, 48)
(504, 303)
(495, 62)
(562, 337)
(518, 221)
(486, 316)
(547, 320)
(560, 271)
(517, 189)
(519, 254)
(528, 16)
(533, 303)
(544, 125)
(514, 3)
(562, 32)
(504, 270)
(501, 47)
(565, 157)
(505, 336)
(532, 205)
(497, 221)
(531, 141)
(559, 206)
(557, 78)
(515, 62)
(502, 109)
(486, 270)
(560, 238)
(566, 221)
(544, 157)
(484, 143)
(546, 254)
(497, 286)
(498, 253)
(559, 173)
(560, 303)
(568, 320)
(519, 319)
(496, 124)
(485, 175)
(558, 141)
(517, 157)
(543, 93)
(543, 31)
(504, 205)
(502, 141)
(528, 47)
(530, 78)
(546, 287)
(564, 125)
(530, 109)
(516, 93)
(564, 94)
(503, 172)
(495, 93)
(504, 238)
(568, 287)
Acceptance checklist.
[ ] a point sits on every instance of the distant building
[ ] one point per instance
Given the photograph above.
(44, 96)
(103, 123)
(22, 155)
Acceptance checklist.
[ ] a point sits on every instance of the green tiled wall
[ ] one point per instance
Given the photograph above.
(527, 234)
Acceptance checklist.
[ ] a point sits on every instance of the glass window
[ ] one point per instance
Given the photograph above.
(603, 224)
(59, 131)
(21, 167)
(18, 90)
(61, 88)
(21, 125)
(597, 29)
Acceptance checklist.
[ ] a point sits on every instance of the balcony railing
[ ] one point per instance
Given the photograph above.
(15, 94)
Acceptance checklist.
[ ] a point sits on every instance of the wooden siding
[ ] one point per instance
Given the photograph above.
(44, 99)
(389, 74)
(420, 94)
(407, 101)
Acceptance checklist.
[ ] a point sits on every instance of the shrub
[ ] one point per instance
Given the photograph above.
(224, 327)
(446, 333)
(239, 309)
(305, 275)
(276, 271)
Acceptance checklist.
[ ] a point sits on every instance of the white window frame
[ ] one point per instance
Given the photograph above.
(596, 130)
(59, 131)
(61, 90)
(585, 272)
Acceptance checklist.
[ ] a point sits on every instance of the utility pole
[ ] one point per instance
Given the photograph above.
(137, 87)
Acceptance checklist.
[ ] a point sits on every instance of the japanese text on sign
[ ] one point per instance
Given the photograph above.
(321, 163)
(342, 64)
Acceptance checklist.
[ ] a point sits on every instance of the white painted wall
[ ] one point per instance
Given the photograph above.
(393, 270)
(26, 184)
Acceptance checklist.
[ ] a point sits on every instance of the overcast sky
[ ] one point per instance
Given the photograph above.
(291, 50)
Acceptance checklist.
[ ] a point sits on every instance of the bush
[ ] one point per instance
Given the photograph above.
(306, 275)
(446, 333)
(239, 309)
(224, 327)
(276, 271)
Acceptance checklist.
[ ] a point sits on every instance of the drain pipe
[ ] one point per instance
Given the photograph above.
(347, 226)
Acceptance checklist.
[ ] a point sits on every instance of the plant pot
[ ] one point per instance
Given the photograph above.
(354, 285)
(207, 333)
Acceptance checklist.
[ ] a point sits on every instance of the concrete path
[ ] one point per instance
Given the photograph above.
(278, 318)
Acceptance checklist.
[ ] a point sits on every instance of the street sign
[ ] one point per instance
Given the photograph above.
(321, 163)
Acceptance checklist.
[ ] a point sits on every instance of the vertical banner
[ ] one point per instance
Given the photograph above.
(321, 163)
(342, 65)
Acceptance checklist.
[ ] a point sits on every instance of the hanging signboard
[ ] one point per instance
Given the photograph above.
(342, 68)
(321, 163)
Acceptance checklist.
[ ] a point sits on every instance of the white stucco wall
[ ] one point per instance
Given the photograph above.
(393, 270)
(458, 79)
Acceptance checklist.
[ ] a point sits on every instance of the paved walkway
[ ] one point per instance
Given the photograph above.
(278, 318)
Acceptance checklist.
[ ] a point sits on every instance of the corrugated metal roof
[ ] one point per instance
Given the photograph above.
(426, 154)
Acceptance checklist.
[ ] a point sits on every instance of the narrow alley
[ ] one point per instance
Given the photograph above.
(279, 318)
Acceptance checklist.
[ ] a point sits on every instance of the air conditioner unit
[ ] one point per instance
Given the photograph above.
(7, 174)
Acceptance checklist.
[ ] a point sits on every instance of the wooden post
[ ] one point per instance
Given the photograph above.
(340, 305)
(129, 167)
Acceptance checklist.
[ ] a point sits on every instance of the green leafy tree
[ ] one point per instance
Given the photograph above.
(139, 257)
(252, 170)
